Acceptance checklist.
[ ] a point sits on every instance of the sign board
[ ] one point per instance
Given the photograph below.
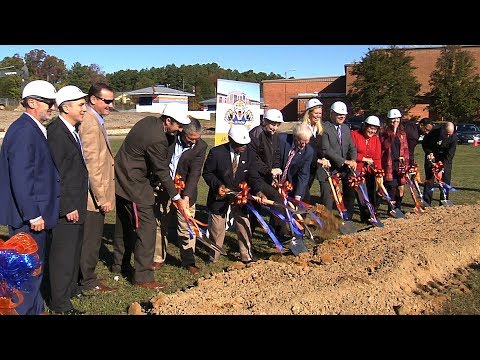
(238, 102)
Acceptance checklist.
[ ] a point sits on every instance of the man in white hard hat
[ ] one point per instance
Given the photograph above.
(227, 165)
(101, 198)
(29, 181)
(67, 236)
(340, 150)
(144, 154)
(265, 145)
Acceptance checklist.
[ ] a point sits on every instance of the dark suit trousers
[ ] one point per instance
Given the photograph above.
(33, 303)
(92, 240)
(64, 264)
(141, 239)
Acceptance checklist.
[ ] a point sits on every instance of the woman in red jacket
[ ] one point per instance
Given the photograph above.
(368, 156)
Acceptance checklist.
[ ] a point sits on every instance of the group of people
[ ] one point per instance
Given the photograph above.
(60, 177)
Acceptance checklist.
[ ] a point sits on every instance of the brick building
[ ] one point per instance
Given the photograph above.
(290, 95)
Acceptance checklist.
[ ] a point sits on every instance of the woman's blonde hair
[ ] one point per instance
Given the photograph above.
(306, 120)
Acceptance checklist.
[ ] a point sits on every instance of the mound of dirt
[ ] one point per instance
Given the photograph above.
(398, 269)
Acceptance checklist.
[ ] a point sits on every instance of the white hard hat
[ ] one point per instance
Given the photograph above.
(239, 134)
(69, 93)
(39, 88)
(394, 113)
(339, 107)
(372, 120)
(178, 112)
(312, 103)
(274, 115)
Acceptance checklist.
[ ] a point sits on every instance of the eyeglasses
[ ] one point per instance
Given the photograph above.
(49, 102)
(106, 101)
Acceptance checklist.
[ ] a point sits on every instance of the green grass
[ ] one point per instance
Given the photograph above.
(176, 278)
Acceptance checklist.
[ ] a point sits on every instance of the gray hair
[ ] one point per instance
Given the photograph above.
(300, 129)
(193, 127)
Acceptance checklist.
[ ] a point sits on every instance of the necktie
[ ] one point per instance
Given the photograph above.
(291, 154)
(78, 140)
(235, 163)
(339, 131)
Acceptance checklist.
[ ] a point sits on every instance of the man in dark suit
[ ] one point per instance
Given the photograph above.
(298, 170)
(66, 147)
(415, 132)
(187, 158)
(226, 166)
(339, 148)
(29, 181)
(440, 144)
(144, 153)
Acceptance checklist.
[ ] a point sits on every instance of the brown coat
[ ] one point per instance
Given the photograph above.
(99, 159)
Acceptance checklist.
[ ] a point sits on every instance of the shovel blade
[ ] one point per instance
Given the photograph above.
(424, 204)
(397, 214)
(297, 246)
(211, 245)
(447, 202)
(376, 223)
(347, 227)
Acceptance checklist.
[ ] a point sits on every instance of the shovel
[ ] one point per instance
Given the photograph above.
(210, 244)
(346, 226)
(362, 192)
(295, 244)
(441, 185)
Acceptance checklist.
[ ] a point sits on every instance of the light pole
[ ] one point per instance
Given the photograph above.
(286, 72)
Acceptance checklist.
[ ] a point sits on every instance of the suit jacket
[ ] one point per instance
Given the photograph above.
(299, 170)
(413, 135)
(190, 168)
(316, 143)
(217, 171)
(29, 180)
(99, 159)
(266, 150)
(144, 152)
(442, 146)
(334, 151)
(67, 155)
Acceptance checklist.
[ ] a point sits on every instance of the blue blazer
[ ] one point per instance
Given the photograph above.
(29, 179)
(299, 169)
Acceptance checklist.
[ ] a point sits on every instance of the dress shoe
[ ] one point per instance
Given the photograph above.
(157, 265)
(72, 311)
(151, 285)
(192, 269)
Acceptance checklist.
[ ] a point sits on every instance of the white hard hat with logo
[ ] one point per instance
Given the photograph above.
(239, 134)
(40, 88)
(69, 93)
(178, 112)
(274, 115)
(339, 107)
(372, 120)
(312, 103)
(394, 113)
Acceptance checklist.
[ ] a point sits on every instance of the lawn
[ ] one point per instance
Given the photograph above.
(468, 191)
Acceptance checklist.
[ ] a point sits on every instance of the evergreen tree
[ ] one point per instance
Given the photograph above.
(455, 94)
(384, 80)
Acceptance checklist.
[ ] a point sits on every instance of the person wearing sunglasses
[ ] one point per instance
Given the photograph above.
(101, 198)
(29, 181)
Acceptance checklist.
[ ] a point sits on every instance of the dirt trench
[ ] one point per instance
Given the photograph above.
(402, 268)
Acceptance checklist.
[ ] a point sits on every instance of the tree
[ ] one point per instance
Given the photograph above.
(455, 94)
(11, 86)
(384, 80)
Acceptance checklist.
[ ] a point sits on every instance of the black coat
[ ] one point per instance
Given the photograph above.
(217, 171)
(68, 158)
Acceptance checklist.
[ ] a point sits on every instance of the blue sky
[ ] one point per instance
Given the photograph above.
(299, 61)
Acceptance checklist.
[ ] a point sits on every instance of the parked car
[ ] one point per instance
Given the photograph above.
(355, 123)
(468, 133)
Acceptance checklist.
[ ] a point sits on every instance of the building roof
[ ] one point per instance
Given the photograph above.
(320, 78)
(158, 90)
(213, 101)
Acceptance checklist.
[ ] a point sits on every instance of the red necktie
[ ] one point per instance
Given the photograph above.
(291, 154)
